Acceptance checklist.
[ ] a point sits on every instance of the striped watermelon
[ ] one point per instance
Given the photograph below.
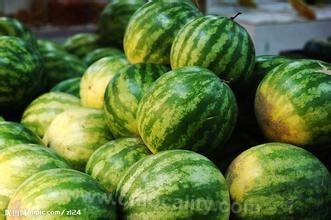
(188, 108)
(19, 162)
(110, 162)
(76, 133)
(279, 181)
(42, 111)
(114, 19)
(96, 78)
(59, 66)
(123, 95)
(76, 195)
(292, 103)
(14, 27)
(45, 46)
(99, 53)
(152, 29)
(81, 44)
(174, 184)
(216, 43)
(20, 73)
(12, 133)
(70, 86)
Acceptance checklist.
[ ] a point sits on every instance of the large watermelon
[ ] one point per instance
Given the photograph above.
(18, 163)
(81, 44)
(76, 133)
(45, 46)
(123, 95)
(20, 73)
(59, 66)
(74, 195)
(279, 181)
(216, 43)
(41, 112)
(292, 103)
(99, 53)
(152, 29)
(109, 163)
(174, 184)
(114, 19)
(12, 133)
(95, 79)
(188, 108)
(70, 86)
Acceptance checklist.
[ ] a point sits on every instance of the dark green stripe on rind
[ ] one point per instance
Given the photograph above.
(217, 43)
(109, 163)
(153, 27)
(64, 189)
(123, 95)
(12, 133)
(75, 134)
(279, 181)
(42, 111)
(174, 184)
(81, 44)
(190, 108)
(99, 53)
(70, 86)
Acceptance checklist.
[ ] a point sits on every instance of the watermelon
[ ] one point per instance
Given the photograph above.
(99, 53)
(279, 181)
(114, 19)
(110, 162)
(12, 133)
(59, 66)
(189, 108)
(123, 95)
(16, 28)
(96, 78)
(45, 46)
(18, 163)
(76, 133)
(174, 184)
(70, 86)
(81, 44)
(152, 29)
(42, 111)
(20, 73)
(292, 103)
(74, 195)
(217, 43)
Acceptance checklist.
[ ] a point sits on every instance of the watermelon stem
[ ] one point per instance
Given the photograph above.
(234, 17)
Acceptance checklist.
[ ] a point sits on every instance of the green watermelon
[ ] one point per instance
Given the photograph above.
(99, 53)
(188, 108)
(217, 43)
(20, 73)
(96, 78)
(14, 27)
(76, 133)
(279, 181)
(292, 103)
(70, 86)
(74, 195)
(18, 163)
(42, 111)
(81, 44)
(114, 20)
(123, 95)
(174, 184)
(110, 162)
(45, 46)
(12, 133)
(59, 66)
(152, 29)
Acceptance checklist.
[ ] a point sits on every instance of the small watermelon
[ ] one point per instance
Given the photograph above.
(81, 44)
(109, 163)
(99, 53)
(46, 46)
(70, 86)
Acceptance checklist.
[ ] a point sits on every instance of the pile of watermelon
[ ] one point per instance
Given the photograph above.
(164, 113)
